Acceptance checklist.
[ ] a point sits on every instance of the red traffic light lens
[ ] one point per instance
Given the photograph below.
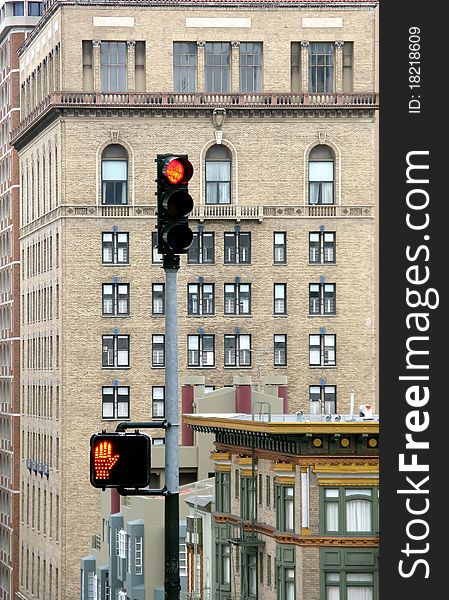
(178, 170)
(174, 171)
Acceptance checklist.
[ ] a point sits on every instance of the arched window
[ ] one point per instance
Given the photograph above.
(114, 174)
(218, 175)
(321, 175)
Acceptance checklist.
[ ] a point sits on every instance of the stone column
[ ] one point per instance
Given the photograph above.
(97, 65)
(339, 67)
(200, 72)
(235, 67)
(131, 65)
(305, 66)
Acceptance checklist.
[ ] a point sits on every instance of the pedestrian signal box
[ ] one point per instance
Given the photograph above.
(120, 460)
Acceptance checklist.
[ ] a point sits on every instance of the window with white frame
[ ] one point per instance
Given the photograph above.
(280, 298)
(280, 247)
(202, 249)
(280, 350)
(115, 351)
(138, 555)
(158, 401)
(237, 350)
(347, 585)
(237, 298)
(115, 246)
(156, 258)
(218, 175)
(322, 299)
(321, 175)
(115, 402)
(158, 350)
(237, 247)
(182, 559)
(322, 247)
(158, 298)
(201, 350)
(322, 350)
(323, 399)
(200, 299)
(114, 174)
(115, 299)
(121, 543)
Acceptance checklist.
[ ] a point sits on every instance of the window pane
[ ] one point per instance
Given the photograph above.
(358, 515)
(360, 593)
(321, 171)
(108, 351)
(114, 170)
(331, 516)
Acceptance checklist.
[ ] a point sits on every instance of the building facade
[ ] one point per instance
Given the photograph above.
(275, 105)
(16, 20)
(296, 506)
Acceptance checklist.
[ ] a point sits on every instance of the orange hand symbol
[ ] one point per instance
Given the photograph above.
(103, 460)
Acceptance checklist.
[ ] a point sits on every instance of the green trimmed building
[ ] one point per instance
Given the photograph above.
(296, 513)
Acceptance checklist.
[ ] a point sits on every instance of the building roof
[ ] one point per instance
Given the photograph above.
(284, 424)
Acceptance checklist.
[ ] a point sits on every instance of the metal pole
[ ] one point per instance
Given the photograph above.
(172, 584)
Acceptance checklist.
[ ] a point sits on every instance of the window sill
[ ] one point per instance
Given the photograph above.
(246, 367)
(322, 366)
(116, 368)
(280, 366)
(116, 316)
(195, 264)
(158, 315)
(283, 315)
(202, 316)
(245, 316)
(206, 367)
(103, 264)
(158, 366)
(279, 264)
(321, 264)
(116, 418)
(323, 315)
(240, 264)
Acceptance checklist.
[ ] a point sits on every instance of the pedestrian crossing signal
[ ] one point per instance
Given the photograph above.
(120, 460)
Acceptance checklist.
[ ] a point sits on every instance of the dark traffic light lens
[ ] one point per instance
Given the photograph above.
(179, 204)
(179, 237)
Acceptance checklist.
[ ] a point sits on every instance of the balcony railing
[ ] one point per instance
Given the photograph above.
(197, 100)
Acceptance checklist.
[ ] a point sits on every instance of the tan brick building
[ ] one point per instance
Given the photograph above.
(275, 105)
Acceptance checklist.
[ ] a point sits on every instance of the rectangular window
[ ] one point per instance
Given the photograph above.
(158, 402)
(113, 67)
(348, 61)
(322, 299)
(138, 555)
(184, 67)
(218, 182)
(321, 182)
(218, 67)
(17, 9)
(280, 298)
(237, 350)
(202, 249)
(237, 298)
(322, 247)
(156, 258)
(201, 350)
(280, 350)
(295, 67)
(349, 511)
(115, 351)
(115, 402)
(285, 507)
(280, 247)
(34, 9)
(158, 298)
(115, 247)
(321, 67)
(115, 299)
(158, 351)
(268, 490)
(323, 399)
(237, 248)
(250, 67)
(322, 350)
(200, 299)
(223, 491)
(247, 498)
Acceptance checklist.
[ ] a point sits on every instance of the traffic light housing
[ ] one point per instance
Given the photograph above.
(174, 203)
(120, 460)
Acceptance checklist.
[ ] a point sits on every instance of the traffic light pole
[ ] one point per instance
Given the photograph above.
(172, 582)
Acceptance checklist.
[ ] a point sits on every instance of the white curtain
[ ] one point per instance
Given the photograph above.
(360, 593)
(332, 593)
(331, 516)
(358, 515)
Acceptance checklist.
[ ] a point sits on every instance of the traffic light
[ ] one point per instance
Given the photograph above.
(174, 203)
(120, 459)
